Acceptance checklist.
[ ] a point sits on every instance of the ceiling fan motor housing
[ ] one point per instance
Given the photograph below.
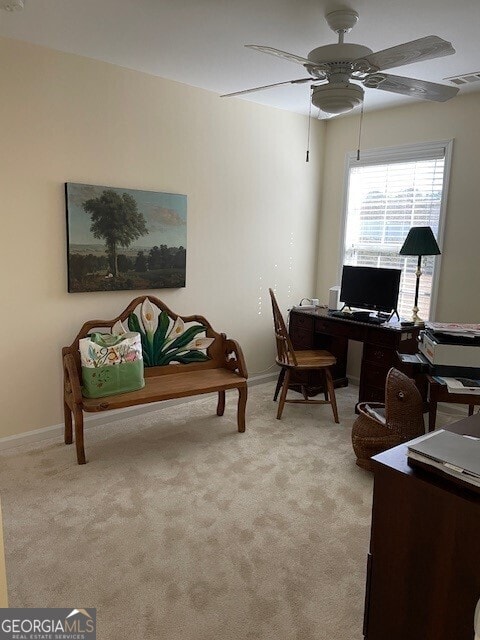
(337, 98)
(345, 52)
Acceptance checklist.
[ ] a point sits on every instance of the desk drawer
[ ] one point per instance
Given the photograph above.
(379, 355)
(374, 375)
(340, 328)
(372, 394)
(301, 321)
(302, 339)
(322, 326)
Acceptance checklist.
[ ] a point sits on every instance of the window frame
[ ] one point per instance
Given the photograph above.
(402, 153)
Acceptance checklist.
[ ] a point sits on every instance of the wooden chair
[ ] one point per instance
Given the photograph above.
(381, 426)
(300, 361)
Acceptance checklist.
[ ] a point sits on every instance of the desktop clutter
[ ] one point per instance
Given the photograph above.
(368, 294)
(449, 352)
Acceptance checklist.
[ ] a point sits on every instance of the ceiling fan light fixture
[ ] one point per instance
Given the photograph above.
(337, 99)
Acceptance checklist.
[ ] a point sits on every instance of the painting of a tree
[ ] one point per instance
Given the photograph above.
(124, 238)
(116, 219)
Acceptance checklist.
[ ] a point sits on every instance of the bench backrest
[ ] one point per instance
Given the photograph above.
(181, 342)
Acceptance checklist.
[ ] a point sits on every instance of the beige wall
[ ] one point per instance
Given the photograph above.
(458, 298)
(253, 206)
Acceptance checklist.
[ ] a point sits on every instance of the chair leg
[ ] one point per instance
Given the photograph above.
(325, 386)
(242, 403)
(283, 395)
(221, 403)
(281, 376)
(331, 393)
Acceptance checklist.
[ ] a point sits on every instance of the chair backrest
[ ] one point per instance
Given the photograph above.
(403, 405)
(285, 352)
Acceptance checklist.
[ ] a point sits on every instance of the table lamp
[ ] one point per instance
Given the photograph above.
(420, 241)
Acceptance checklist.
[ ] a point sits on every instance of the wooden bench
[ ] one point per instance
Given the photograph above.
(215, 368)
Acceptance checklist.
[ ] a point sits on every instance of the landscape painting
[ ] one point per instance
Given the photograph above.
(124, 238)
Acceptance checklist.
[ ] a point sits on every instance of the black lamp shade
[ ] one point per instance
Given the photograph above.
(420, 241)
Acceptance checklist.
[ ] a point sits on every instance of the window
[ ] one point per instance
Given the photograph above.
(389, 191)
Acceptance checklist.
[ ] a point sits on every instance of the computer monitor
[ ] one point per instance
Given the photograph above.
(370, 288)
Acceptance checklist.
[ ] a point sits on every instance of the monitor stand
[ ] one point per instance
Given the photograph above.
(387, 315)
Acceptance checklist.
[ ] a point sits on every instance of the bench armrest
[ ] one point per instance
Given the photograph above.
(71, 380)
(234, 359)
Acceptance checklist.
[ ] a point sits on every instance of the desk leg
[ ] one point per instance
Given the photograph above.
(432, 410)
(470, 409)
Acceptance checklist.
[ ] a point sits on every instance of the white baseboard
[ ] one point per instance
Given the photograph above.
(93, 420)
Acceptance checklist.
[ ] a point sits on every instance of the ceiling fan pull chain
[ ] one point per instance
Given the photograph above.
(360, 133)
(307, 159)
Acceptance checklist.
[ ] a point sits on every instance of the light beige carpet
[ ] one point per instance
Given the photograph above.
(179, 528)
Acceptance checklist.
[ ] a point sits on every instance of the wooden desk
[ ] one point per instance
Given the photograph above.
(423, 578)
(315, 329)
(439, 393)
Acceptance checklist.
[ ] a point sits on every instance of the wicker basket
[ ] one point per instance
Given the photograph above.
(403, 420)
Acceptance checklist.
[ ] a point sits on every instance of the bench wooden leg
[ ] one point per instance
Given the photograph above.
(78, 415)
(242, 403)
(221, 403)
(68, 423)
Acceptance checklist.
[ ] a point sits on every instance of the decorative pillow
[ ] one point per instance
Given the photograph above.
(111, 364)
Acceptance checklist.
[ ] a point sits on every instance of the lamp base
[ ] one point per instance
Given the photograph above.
(415, 317)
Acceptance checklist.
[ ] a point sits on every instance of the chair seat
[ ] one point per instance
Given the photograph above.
(312, 359)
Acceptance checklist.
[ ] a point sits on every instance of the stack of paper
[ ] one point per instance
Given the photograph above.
(455, 329)
(376, 412)
(450, 453)
(461, 385)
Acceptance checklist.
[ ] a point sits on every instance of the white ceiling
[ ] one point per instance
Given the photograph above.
(200, 42)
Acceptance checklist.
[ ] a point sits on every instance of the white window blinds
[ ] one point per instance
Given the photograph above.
(388, 192)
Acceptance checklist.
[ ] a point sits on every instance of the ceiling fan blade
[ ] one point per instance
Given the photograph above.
(410, 87)
(267, 86)
(414, 51)
(280, 54)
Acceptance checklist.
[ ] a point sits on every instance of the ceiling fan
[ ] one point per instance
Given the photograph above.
(332, 68)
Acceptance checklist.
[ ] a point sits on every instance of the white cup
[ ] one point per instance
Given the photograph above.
(315, 302)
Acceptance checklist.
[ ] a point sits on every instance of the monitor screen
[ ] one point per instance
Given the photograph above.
(370, 288)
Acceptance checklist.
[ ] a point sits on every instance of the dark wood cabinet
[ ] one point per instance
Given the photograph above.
(315, 329)
(423, 577)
